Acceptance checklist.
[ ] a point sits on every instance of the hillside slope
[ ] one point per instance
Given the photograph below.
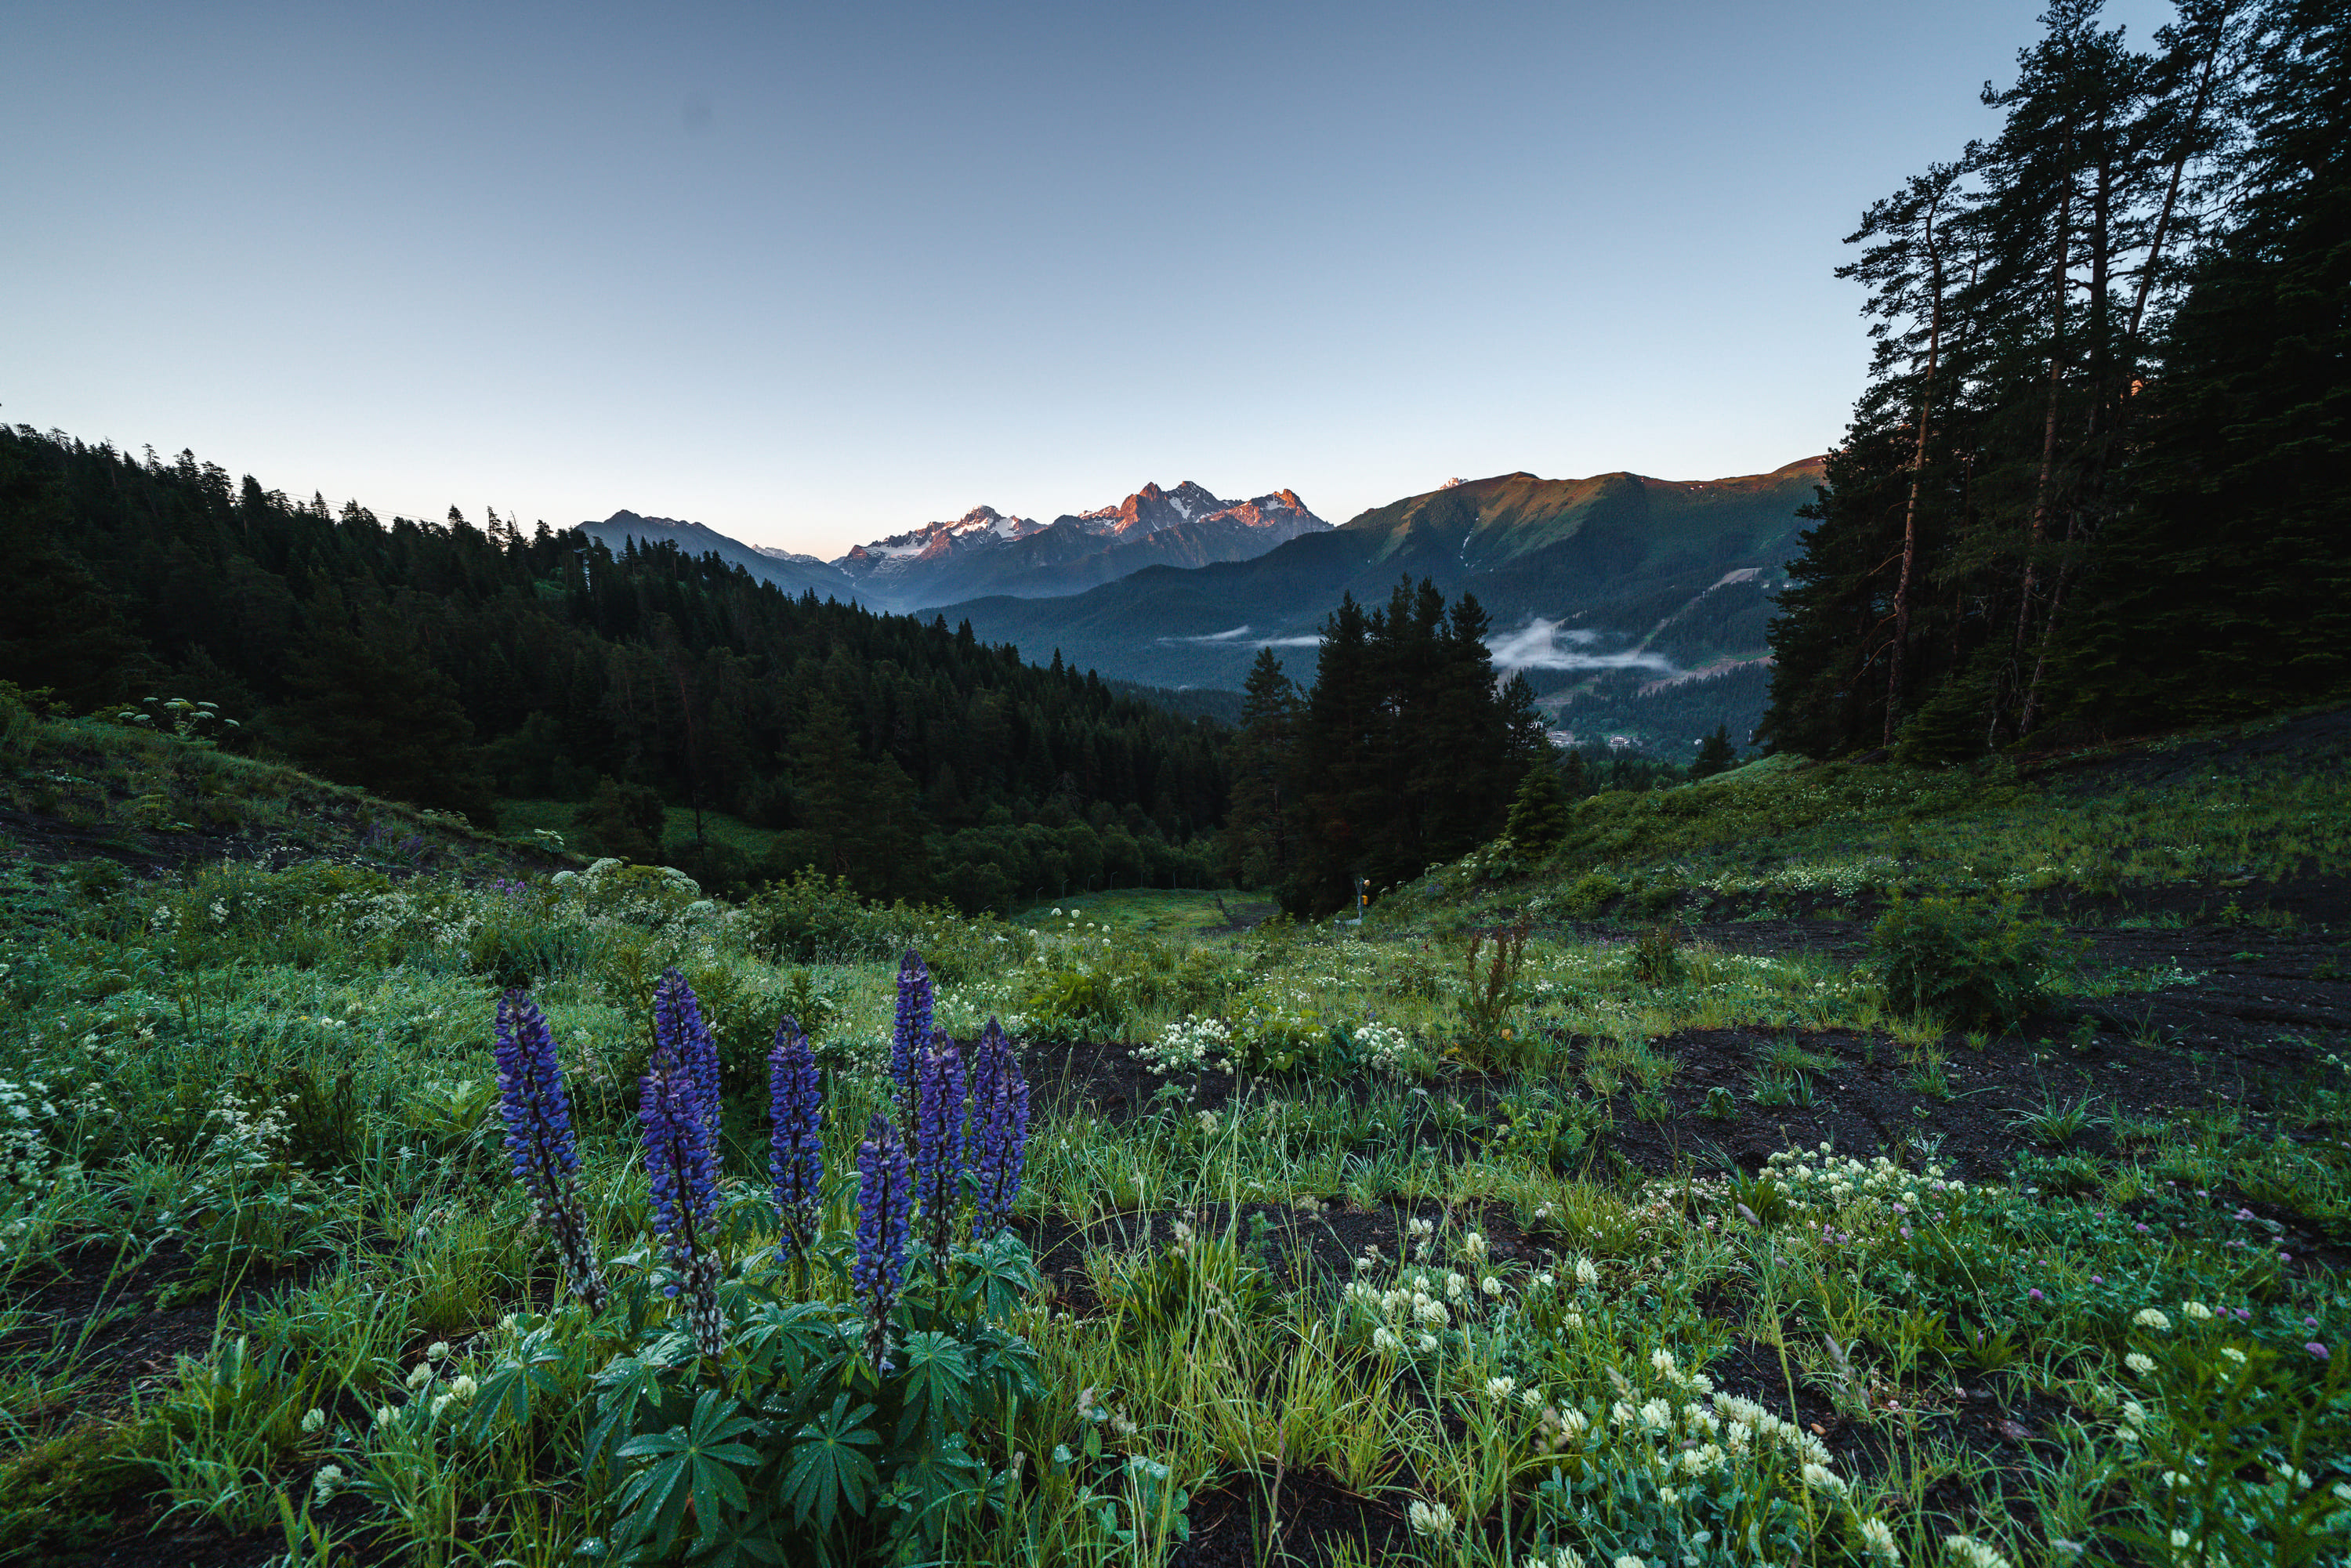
(1614, 581)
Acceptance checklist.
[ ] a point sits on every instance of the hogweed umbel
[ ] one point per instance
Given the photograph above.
(539, 1141)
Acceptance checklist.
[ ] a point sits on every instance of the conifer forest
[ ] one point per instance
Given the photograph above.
(516, 1053)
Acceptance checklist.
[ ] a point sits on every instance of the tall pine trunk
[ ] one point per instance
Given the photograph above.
(1896, 667)
(2039, 526)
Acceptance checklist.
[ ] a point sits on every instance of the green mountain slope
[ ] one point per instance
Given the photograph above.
(1615, 583)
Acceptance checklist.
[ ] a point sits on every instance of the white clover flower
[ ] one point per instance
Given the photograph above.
(463, 1387)
(2234, 1354)
(1491, 1286)
(313, 1418)
(1384, 1340)
(420, 1375)
(1427, 1343)
(1572, 1321)
(1877, 1539)
(323, 1484)
(1973, 1552)
(1473, 1245)
(1432, 1519)
(1661, 1361)
(2196, 1312)
(1560, 1557)
(2139, 1363)
(1586, 1273)
(2145, 1318)
(1628, 1561)
(1820, 1478)
(1420, 1227)
(1455, 1286)
(1656, 1415)
(1122, 1425)
(1500, 1388)
(2134, 1413)
(436, 1350)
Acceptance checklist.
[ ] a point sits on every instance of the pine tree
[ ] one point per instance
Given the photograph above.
(1716, 754)
(2227, 587)
(1978, 507)
(1539, 813)
(1257, 830)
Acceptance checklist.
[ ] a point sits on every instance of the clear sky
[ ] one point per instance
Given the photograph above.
(813, 274)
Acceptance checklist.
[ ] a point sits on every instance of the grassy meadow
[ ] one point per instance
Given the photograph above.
(1545, 1219)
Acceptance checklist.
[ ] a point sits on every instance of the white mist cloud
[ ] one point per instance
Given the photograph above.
(1225, 636)
(1540, 645)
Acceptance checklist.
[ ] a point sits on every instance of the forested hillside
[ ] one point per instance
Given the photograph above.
(2100, 481)
(446, 664)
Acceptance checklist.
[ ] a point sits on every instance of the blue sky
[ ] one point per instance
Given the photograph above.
(815, 274)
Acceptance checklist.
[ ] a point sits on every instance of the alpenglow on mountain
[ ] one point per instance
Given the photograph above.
(984, 552)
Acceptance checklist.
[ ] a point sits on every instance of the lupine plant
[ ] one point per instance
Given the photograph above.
(763, 1419)
(999, 1131)
(539, 1141)
(885, 1202)
(938, 1139)
(912, 1031)
(796, 1136)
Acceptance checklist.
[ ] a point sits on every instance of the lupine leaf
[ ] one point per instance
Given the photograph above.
(825, 1469)
(938, 1381)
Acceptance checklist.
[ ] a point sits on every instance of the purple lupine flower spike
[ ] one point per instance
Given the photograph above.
(682, 1045)
(680, 1147)
(795, 1135)
(540, 1143)
(913, 1023)
(938, 1138)
(999, 1133)
(884, 1200)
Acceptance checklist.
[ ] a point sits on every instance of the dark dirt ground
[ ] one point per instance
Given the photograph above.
(1286, 1516)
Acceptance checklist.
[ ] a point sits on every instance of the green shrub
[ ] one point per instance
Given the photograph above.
(1075, 1001)
(1589, 894)
(1977, 962)
(813, 918)
(1656, 957)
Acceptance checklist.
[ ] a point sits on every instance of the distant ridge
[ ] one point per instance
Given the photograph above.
(793, 573)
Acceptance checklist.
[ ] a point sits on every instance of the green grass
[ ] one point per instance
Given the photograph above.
(1782, 833)
(1154, 911)
(285, 1076)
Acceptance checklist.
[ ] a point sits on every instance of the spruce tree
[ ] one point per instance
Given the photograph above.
(1257, 827)
(1716, 754)
(1539, 812)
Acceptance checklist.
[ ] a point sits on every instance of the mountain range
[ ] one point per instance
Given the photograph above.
(1614, 589)
(1640, 606)
(985, 552)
